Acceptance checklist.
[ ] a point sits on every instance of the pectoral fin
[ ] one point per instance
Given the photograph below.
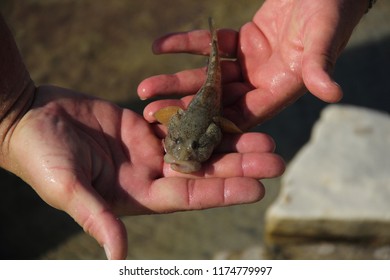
(227, 125)
(164, 115)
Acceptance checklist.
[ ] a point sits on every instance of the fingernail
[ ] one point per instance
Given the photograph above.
(108, 253)
(142, 91)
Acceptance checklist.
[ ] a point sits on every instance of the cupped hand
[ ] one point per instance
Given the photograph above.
(289, 47)
(97, 161)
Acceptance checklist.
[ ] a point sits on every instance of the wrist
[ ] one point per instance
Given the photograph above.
(14, 108)
(16, 89)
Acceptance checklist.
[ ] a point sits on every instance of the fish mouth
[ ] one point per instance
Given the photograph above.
(183, 166)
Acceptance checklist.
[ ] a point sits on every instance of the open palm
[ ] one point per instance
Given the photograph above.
(289, 47)
(96, 161)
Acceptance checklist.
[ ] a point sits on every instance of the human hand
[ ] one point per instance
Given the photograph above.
(96, 161)
(288, 48)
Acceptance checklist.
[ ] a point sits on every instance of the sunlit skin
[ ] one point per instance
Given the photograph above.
(288, 48)
(97, 161)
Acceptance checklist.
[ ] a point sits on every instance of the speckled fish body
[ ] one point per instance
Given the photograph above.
(194, 133)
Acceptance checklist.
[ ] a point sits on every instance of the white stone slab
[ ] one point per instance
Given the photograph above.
(338, 185)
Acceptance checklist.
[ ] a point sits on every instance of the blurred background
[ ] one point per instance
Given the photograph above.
(103, 48)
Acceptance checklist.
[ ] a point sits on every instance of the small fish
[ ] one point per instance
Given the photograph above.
(195, 132)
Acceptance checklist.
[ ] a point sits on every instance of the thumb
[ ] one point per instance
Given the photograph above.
(316, 70)
(319, 58)
(91, 212)
(326, 34)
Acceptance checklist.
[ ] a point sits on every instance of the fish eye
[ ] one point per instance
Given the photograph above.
(176, 140)
(194, 145)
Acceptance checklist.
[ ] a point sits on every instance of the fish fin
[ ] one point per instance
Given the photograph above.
(227, 125)
(164, 115)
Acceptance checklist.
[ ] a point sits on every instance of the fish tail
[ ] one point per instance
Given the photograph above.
(212, 30)
(214, 71)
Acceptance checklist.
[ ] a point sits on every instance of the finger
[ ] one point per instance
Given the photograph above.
(197, 42)
(185, 82)
(321, 49)
(317, 64)
(317, 79)
(260, 105)
(160, 131)
(234, 91)
(153, 107)
(323, 44)
(253, 165)
(94, 216)
(178, 193)
(246, 143)
(276, 84)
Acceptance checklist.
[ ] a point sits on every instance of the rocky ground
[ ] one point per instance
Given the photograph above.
(104, 50)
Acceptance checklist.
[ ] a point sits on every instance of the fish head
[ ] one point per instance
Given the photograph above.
(188, 145)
